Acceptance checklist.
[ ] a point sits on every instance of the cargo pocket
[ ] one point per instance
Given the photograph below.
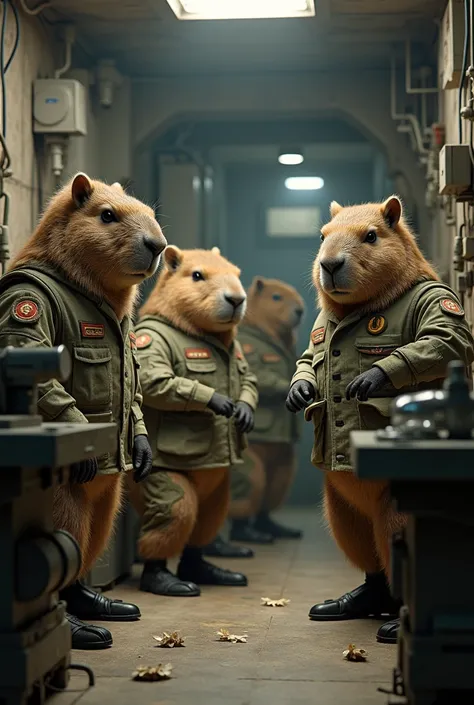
(375, 348)
(316, 412)
(375, 413)
(186, 433)
(201, 370)
(105, 417)
(319, 373)
(92, 378)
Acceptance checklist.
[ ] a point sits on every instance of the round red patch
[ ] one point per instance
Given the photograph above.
(451, 306)
(26, 310)
(143, 341)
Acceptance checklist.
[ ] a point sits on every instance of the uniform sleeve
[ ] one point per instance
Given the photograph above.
(139, 423)
(304, 367)
(27, 320)
(441, 336)
(249, 386)
(270, 384)
(161, 387)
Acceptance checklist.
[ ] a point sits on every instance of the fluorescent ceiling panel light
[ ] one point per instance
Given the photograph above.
(240, 9)
(304, 183)
(291, 159)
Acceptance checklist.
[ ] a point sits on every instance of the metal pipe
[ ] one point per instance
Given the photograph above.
(408, 86)
(409, 117)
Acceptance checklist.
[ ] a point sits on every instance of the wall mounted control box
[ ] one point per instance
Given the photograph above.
(455, 171)
(59, 107)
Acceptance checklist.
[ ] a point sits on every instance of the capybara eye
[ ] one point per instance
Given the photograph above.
(322, 238)
(277, 297)
(108, 216)
(371, 237)
(197, 276)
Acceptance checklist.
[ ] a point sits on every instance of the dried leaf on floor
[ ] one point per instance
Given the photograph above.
(169, 641)
(282, 602)
(162, 672)
(354, 654)
(225, 635)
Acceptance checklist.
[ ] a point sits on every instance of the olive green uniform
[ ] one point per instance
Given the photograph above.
(179, 374)
(40, 307)
(412, 341)
(276, 430)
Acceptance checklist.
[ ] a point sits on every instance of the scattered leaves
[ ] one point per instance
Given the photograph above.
(354, 654)
(225, 635)
(169, 641)
(283, 602)
(162, 672)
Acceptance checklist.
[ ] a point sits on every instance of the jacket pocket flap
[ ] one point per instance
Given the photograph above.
(318, 358)
(315, 410)
(105, 417)
(93, 356)
(201, 365)
(382, 404)
(380, 345)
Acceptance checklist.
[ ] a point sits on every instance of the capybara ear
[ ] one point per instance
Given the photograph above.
(392, 211)
(215, 251)
(334, 208)
(258, 284)
(173, 257)
(81, 189)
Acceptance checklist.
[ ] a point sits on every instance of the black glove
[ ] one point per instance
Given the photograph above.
(85, 471)
(221, 405)
(243, 417)
(366, 384)
(301, 394)
(142, 458)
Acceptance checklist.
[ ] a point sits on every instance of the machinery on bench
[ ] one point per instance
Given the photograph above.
(427, 455)
(37, 561)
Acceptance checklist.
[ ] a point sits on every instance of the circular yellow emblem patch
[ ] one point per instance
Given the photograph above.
(376, 325)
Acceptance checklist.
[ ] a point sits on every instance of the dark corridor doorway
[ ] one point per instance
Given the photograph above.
(251, 190)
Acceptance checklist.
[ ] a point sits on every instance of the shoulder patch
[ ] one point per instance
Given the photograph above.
(247, 348)
(271, 357)
(143, 341)
(92, 330)
(27, 310)
(376, 325)
(451, 306)
(197, 353)
(318, 335)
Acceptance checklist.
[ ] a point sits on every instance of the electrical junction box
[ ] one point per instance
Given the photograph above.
(59, 107)
(452, 43)
(455, 170)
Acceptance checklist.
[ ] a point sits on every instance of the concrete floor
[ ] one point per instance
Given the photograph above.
(287, 659)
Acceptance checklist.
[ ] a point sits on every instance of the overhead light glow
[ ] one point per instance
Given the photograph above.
(240, 9)
(291, 159)
(304, 183)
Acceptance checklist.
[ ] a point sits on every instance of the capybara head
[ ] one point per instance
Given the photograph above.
(274, 305)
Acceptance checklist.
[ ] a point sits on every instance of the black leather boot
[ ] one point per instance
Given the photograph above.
(388, 632)
(222, 549)
(156, 578)
(372, 599)
(242, 530)
(86, 637)
(193, 567)
(85, 603)
(265, 524)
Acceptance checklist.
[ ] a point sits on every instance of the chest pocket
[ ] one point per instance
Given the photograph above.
(201, 370)
(319, 372)
(374, 348)
(92, 378)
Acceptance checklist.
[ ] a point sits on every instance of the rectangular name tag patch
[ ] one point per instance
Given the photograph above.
(197, 354)
(271, 357)
(378, 350)
(318, 335)
(92, 330)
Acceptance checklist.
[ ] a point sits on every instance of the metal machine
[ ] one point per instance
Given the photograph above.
(37, 561)
(427, 456)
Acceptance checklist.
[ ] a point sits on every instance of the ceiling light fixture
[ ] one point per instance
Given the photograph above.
(240, 9)
(304, 183)
(291, 157)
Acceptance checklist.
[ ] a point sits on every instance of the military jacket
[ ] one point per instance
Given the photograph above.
(412, 341)
(39, 307)
(179, 374)
(273, 365)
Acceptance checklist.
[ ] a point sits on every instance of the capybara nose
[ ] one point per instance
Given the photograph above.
(234, 300)
(332, 264)
(156, 245)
